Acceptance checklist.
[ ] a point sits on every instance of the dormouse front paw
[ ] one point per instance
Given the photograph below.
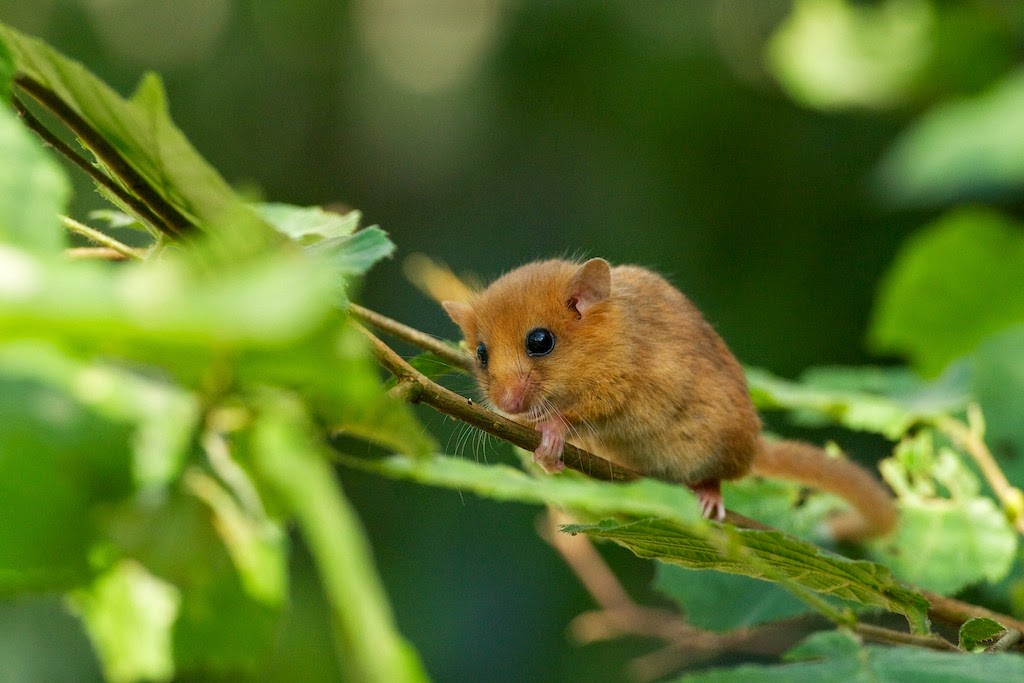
(552, 440)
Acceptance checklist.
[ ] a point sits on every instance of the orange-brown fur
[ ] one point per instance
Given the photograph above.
(639, 377)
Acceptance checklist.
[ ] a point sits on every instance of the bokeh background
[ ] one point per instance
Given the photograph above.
(733, 145)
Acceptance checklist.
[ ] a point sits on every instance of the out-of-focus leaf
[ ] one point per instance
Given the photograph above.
(700, 593)
(332, 236)
(974, 633)
(129, 615)
(836, 657)
(290, 461)
(643, 498)
(308, 224)
(32, 629)
(832, 54)
(141, 131)
(998, 376)
(6, 72)
(867, 399)
(949, 536)
(767, 555)
(163, 416)
(973, 149)
(33, 190)
(221, 629)
(953, 284)
(679, 536)
(257, 545)
(58, 459)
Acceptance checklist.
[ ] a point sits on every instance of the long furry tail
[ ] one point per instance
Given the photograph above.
(876, 513)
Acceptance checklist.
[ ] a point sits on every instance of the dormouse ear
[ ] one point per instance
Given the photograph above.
(460, 313)
(591, 285)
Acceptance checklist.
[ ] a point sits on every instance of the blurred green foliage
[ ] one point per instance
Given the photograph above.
(770, 158)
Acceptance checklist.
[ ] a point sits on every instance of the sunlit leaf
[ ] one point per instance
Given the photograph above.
(832, 54)
(949, 535)
(308, 224)
(967, 150)
(142, 133)
(129, 615)
(33, 190)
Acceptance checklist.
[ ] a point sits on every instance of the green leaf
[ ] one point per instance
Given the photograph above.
(699, 593)
(998, 376)
(257, 545)
(953, 284)
(332, 236)
(290, 461)
(308, 224)
(61, 453)
(141, 132)
(6, 72)
(833, 54)
(886, 402)
(221, 628)
(643, 498)
(971, 149)
(975, 633)
(767, 555)
(949, 536)
(679, 534)
(839, 657)
(129, 615)
(33, 190)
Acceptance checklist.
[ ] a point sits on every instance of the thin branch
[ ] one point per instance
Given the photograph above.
(99, 177)
(970, 437)
(421, 339)
(102, 239)
(173, 222)
(94, 254)
(415, 387)
(880, 634)
(1009, 640)
(956, 612)
(422, 389)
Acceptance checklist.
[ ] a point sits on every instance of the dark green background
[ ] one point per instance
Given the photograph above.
(641, 132)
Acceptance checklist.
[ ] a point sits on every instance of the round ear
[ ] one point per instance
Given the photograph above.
(460, 313)
(591, 285)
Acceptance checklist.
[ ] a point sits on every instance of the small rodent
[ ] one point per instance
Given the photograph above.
(619, 362)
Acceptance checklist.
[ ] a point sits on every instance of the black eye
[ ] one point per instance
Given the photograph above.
(481, 354)
(539, 342)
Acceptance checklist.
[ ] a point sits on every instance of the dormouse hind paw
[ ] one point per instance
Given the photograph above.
(709, 495)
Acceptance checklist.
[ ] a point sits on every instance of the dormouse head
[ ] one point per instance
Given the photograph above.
(535, 332)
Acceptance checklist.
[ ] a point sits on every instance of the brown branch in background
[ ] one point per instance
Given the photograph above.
(618, 615)
(171, 220)
(415, 387)
(970, 438)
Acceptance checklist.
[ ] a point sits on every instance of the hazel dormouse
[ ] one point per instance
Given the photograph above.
(619, 362)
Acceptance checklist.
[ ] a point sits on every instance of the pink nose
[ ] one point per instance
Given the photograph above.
(512, 399)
